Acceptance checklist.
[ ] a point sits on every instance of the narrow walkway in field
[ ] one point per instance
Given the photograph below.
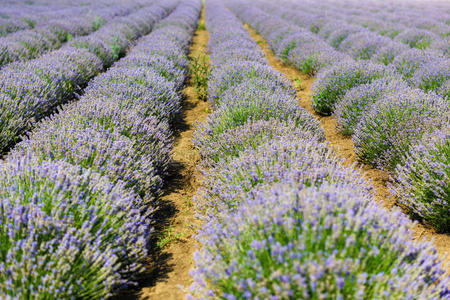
(344, 147)
(171, 259)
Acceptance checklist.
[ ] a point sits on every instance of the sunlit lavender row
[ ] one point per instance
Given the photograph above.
(284, 219)
(23, 15)
(34, 89)
(384, 94)
(28, 44)
(78, 195)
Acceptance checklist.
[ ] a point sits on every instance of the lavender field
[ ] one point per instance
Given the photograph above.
(225, 149)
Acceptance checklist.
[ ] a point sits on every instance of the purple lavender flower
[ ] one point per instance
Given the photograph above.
(357, 101)
(311, 243)
(332, 83)
(394, 122)
(416, 38)
(277, 160)
(68, 232)
(423, 180)
(231, 142)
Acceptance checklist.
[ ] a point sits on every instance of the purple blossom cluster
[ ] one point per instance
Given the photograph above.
(291, 242)
(50, 35)
(385, 133)
(372, 91)
(423, 181)
(31, 90)
(284, 219)
(300, 38)
(79, 193)
(358, 100)
(332, 84)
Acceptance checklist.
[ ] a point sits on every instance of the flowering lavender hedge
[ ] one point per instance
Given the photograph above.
(229, 143)
(332, 84)
(60, 28)
(306, 162)
(394, 122)
(32, 90)
(284, 218)
(357, 101)
(79, 192)
(358, 93)
(423, 181)
(289, 242)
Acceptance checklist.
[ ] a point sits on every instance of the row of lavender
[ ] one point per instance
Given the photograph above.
(24, 15)
(283, 218)
(395, 127)
(427, 69)
(422, 25)
(34, 89)
(387, 18)
(425, 32)
(32, 43)
(78, 195)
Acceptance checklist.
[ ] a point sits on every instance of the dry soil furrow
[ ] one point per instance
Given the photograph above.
(175, 225)
(344, 148)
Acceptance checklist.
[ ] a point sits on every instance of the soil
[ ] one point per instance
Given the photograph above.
(167, 275)
(344, 148)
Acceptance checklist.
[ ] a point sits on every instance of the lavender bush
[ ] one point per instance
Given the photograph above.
(329, 242)
(304, 161)
(363, 45)
(393, 123)
(432, 76)
(423, 180)
(416, 38)
(231, 142)
(357, 101)
(408, 62)
(230, 75)
(140, 88)
(68, 232)
(89, 145)
(252, 101)
(331, 85)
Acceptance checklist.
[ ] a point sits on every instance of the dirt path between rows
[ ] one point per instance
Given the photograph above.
(171, 257)
(344, 147)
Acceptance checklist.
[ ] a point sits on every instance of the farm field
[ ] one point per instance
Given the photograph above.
(225, 149)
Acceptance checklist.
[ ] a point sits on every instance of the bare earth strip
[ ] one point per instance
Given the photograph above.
(175, 224)
(344, 148)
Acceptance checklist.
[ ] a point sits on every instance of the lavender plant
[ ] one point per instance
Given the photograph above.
(89, 145)
(248, 102)
(432, 76)
(331, 85)
(410, 61)
(231, 75)
(423, 180)
(277, 160)
(233, 141)
(416, 38)
(393, 123)
(357, 101)
(328, 242)
(66, 232)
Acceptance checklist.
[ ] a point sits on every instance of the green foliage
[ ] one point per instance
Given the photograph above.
(200, 71)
